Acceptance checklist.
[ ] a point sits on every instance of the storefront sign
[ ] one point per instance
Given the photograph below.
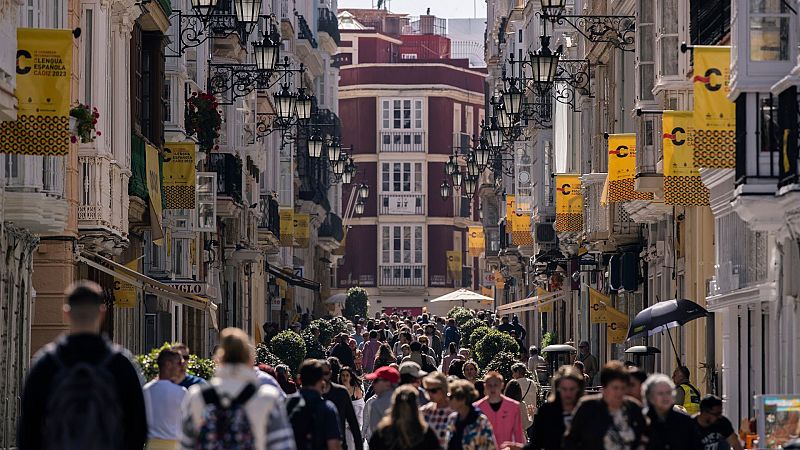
(190, 287)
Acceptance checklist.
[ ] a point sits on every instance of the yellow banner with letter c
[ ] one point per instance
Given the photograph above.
(682, 182)
(154, 192)
(714, 115)
(179, 175)
(475, 241)
(569, 203)
(125, 294)
(622, 169)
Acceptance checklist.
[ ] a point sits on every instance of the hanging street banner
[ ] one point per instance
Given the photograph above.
(569, 203)
(125, 294)
(682, 183)
(475, 241)
(154, 192)
(179, 175)
(510, 210)
(599, 304)
(287, 226)
(616, 326)
(622, 169)
(454, 265)
(518, 224)
(301, 230)
(714, 115)
(44, 68)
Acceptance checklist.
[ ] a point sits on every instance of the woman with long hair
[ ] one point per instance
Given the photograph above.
(350, 380)
(403, 428)
(452, 355)
(384, 357)
(471, 370)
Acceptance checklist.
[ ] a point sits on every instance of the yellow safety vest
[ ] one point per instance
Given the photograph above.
(691, 398)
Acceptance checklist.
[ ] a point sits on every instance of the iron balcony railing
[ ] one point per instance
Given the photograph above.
(270, 217)
(330, 24)
(402, 141)
(402, 204)
(305, 32)
(229, 175)
(402, 275)
(761, 161)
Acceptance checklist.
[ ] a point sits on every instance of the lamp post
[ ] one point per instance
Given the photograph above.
(450, 165)
(494, 135)
(363, 191)
(334, 150)
(457, 177)
(247, 13)
(359, 207)
(204, 8)
(470, 184)
(482, 154)
(544, 64)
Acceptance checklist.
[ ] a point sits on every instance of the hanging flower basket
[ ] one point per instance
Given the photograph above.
(203, 119)
(83, 123)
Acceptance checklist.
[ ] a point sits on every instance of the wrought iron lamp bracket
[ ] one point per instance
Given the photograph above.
(618, 31)
(230, 82)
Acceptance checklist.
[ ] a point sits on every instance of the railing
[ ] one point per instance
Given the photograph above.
(402, 204)
(270, 217)
(763, 159)
(402, 275)
(402, 141)
(304, 31)
(229, 174)
(332, 227)
(329, 24)
(426, 25)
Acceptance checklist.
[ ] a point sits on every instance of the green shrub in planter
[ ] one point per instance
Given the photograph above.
(476, 335)
(502, 363)
(357, 303)
(326, 331)
(314, 349)
(201, 367)
(548, 339)
(460, 314)
(290, 348)
(467, 329)
(339, 326)
(264, 356)
(493, 343)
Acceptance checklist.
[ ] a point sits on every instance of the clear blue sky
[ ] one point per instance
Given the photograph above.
(448, 9)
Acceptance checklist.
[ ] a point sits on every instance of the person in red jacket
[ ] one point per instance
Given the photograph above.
(503, 413)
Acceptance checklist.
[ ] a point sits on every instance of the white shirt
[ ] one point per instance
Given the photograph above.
(163, 400)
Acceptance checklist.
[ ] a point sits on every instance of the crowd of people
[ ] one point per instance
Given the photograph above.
(394, 383)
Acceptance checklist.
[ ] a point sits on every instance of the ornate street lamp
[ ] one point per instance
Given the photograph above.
(504, 118)
(303, 104)
(472, 167)
(445, 190)
(284, 103)
(553, 7)
(363, 191)
(334, 150)
(457, 177)
(544, 64)
(315, 144)
(482, 154)
(494, 135)
(470, 183)
(512, 100)
(204, 8)
(266, 53)
(450, 165)
(359, 207)
(247, 12)
(349, 172)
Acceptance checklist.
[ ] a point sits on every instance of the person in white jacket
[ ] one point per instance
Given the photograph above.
(269, 425)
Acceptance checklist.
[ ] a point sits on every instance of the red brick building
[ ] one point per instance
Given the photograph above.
(405, 104)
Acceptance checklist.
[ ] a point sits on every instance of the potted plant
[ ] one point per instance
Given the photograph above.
(83, 123)
(204, 119)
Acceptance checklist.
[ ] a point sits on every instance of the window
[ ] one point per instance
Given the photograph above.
(180, 258)
(401, 114)
(154, 254)
(29, 14)
(206, 201)
(401, 244)
(646, 49)
(668, 41)
(769, 30)
(401, 177)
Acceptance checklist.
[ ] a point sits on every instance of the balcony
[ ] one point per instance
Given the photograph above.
(328, 24)
(269, 224)
(229, 182)
(304, 31)
(402, 141)
(402, 275)
(710, 21)
(34, 192)
(492, 241)
(402, 204)
(331, 232)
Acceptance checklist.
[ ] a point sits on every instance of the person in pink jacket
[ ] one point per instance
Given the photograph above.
(503, 413)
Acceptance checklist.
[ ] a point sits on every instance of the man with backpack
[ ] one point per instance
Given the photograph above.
(82, 391)
(314, 420)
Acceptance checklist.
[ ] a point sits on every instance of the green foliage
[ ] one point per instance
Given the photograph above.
(314, 349)
(467, 329)
(264, 356)
(357, 303)
(290, 348)
(477, 335)
(493, 343)
(502, 363)
(460, 314)
(339, 325)
(326, 331)
(201, 367)
(548, 339)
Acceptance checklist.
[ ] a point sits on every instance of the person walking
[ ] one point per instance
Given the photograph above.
(537, 364)
(607, 421)
(370, 350)
(470, 370)
(234, 410)
(503, 413)
(340, 397)
(451, 334)
(315, 421)
(452, 355)
(514, 392)
(282, 374)
(530, 388)
(434, 342)
(686, 395)
(467, 427)
(384, 358)
(82, 391)
(403, 427)
(716, 431)
(438, 409)
(424, 360)
(521, 333)
(384, 382)
(350, 380)
(163, 399)
(666, 428)
(186, 379)
(343, 352)
(590, 364)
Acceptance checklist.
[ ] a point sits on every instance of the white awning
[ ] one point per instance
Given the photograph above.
(532, 303)
(150, 285)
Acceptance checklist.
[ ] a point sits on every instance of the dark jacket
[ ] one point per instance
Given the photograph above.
(451, 334)
(339, 396)
(344, 354)
(71, 349)
(591, 420)
(548, 427)
(677, 431)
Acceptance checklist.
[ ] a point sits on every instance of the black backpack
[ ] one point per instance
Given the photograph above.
(225, 423)
(303, 417)
(83, 409)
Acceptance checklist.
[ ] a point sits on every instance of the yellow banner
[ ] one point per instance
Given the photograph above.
(682, 183)
(287, 226)
(125, 294)
(548, 308)
(714, 115)
(569, 203)
(499, 281)
(510, 209)
(44, 70)
(622, 169)
(598, 304)
(487, 291)
(454, 264)
(179, 175)
(475, 241)
(616, 326)
(300, 230)
(154, 192)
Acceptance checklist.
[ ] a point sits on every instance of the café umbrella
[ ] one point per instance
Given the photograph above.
(463, 296)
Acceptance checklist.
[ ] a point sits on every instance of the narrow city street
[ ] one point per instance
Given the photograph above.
(400, 225)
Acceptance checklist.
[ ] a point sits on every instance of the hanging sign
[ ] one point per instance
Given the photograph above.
(622, 169)
(714, 115)
(125, 294)
(454, 264)
(542, 293)
(287, 226)
(179, 175)
(476, 241)
(569, 203)
(616, 326)
(154, 192)
(682, 183)
(301, 230)
(44, 70)
(598, 303)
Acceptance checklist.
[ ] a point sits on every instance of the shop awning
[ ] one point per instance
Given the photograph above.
(293, 279)
(532, 303)
(149, 285)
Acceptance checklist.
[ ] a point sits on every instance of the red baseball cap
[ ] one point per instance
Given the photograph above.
(387, 373)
